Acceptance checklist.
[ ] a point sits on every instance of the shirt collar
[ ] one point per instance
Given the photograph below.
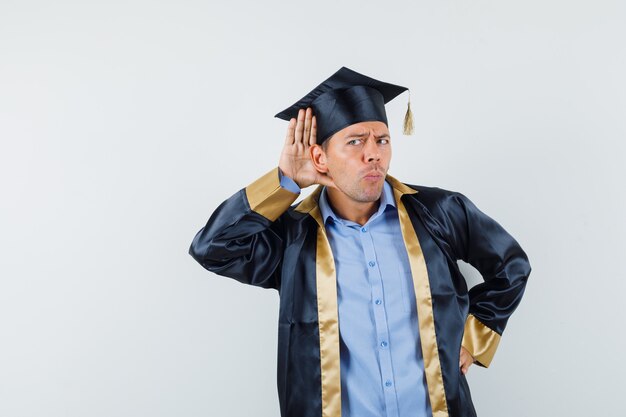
(386, 199)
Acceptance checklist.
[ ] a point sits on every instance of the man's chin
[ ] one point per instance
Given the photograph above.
(363, 193)
(370, 194)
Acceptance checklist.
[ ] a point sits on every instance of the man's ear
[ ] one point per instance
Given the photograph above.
(318, 157)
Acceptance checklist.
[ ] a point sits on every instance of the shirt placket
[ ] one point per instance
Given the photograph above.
(380, 319)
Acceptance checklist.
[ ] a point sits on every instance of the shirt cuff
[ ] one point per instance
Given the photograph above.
(287, 183)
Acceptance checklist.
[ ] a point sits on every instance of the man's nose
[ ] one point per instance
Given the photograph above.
(371, 151)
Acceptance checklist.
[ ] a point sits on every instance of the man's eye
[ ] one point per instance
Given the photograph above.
(383, 141)
(354, 142)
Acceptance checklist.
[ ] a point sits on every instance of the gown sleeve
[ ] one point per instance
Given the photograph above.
(243, 237)
(480, 241)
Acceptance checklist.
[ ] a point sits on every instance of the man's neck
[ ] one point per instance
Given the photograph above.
(346, 208)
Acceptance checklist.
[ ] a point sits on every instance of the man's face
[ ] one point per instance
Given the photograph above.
(357, 159)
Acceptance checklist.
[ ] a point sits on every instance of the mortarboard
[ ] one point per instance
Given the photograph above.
(345, 98)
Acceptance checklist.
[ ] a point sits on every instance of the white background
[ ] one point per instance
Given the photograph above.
(123, 124)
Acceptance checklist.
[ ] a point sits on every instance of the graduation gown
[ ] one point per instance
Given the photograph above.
(258, 238)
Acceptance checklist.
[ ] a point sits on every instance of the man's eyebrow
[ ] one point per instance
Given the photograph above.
(359, 135)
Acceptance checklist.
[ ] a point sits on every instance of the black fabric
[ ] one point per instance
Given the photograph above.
(241, 244)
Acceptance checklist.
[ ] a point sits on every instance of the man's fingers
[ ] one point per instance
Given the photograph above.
(302, 130)
(299, 127)
(307, 126)
(289, 138)
(465, 366)
(313, 137)
(465, 361)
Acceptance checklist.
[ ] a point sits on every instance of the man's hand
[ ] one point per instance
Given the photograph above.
(295, 159)
(466, 360)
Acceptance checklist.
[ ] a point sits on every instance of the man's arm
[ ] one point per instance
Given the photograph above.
(480, 241)
(243, 237)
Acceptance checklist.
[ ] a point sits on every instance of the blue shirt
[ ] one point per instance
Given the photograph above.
(382, 370)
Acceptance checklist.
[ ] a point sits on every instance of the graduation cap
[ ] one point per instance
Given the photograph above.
(345, 98)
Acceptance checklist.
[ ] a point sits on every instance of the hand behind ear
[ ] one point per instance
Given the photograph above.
(295, 159)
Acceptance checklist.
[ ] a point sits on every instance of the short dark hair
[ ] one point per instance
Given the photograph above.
(324, 144)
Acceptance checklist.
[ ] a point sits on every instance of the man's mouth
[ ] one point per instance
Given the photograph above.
(373, 176)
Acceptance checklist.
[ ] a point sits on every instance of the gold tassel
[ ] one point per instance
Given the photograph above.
(408, 119)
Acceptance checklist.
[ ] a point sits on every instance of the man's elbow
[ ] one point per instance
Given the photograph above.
(200, 247)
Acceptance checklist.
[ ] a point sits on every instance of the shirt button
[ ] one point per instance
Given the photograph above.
(387, 383)
(378, 302)
(384, 344)
(364, 229)
(371, 263)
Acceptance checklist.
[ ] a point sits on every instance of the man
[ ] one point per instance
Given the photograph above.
(375, 317)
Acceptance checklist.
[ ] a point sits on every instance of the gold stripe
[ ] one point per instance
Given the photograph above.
(328, 323)
(310, 203)
(480, 341)
(428, 338)
(267, 198)
(399, 186)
